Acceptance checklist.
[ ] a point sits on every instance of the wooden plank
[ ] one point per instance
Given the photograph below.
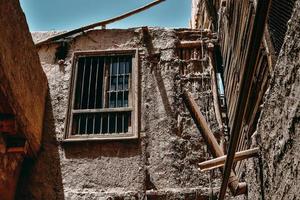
(195, 43)
(101, 23)
(20, 150)
(220, 161)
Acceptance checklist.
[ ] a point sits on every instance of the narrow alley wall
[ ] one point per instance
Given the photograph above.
(276, 176)
(23, 88)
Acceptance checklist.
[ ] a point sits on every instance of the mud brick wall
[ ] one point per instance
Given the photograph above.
(162, 163)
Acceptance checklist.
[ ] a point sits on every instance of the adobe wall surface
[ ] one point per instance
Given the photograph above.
(278, 132)
(23, 84)
(162, 163)
(23, 88)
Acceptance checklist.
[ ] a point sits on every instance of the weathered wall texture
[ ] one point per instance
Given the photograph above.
(23, 88)
(162, 163)
(278, 132)
(10, 165)
(23, 84)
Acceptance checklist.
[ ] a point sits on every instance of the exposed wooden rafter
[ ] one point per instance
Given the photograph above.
(220, 161)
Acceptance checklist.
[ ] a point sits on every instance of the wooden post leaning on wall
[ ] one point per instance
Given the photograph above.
(256, 35)
(235, 187)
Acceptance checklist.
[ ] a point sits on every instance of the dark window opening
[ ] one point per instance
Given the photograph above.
(101, 95)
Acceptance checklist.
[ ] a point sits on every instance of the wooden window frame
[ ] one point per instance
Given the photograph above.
(133, 98)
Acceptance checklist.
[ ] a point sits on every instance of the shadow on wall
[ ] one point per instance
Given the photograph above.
(41, 178)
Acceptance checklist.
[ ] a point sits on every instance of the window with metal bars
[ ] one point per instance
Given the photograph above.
(103, 102)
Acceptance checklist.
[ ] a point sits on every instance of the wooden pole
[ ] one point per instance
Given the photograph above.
(101, 23)
(251, 57)
(220, 161)
(209, 138)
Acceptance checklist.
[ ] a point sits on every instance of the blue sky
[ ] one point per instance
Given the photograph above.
(44, 15)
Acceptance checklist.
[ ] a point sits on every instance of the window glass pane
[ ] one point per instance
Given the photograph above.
(90, 124)
(105, 123)
(120, 102)
(112, 122)
(75, 125)
(78, 84)
(86, 81)
(126, 78)
(112, 100)
(127, 118)
(125, 103)
(99, 82)
(128, 64)
(92, 97)
(114, 66)
(120, 82)
(122, 65)
(97, 124)
(82, 123)
(113, 83)
(120, 121)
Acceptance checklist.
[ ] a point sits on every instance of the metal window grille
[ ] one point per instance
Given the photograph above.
(101, 101)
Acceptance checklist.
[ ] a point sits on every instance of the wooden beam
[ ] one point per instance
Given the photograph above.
(220, 161)
(196, 43)
(101, 23)
(209, 138)
(20, 150)
(255, 40)
(202, 125)
(190, 44)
